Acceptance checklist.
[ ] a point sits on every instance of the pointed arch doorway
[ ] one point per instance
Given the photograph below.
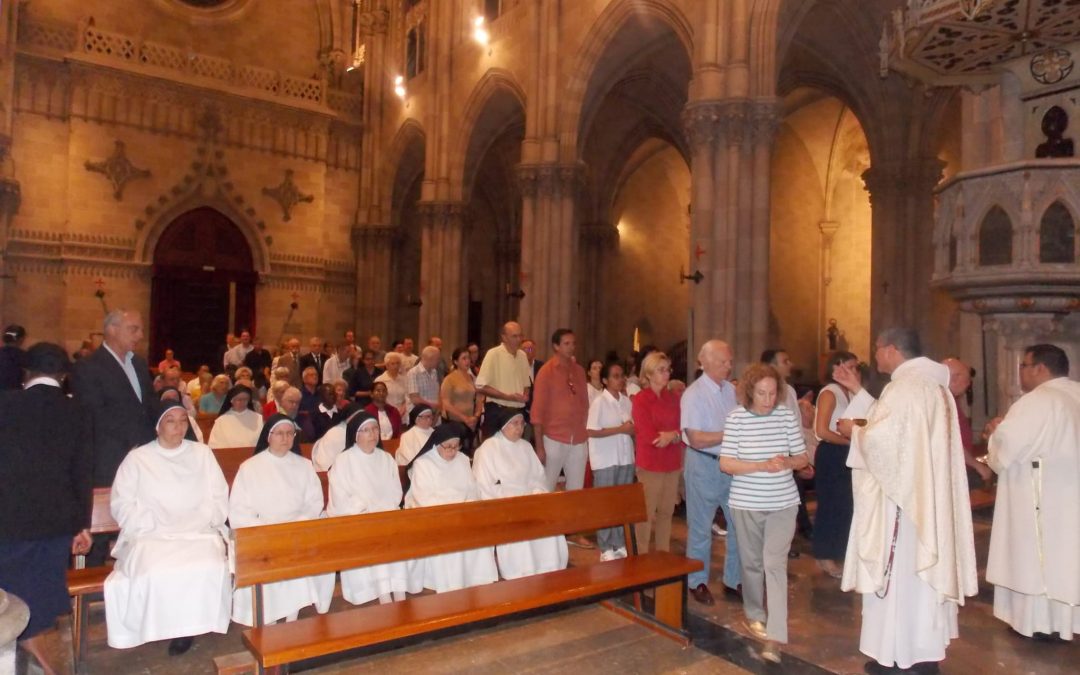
(203, 287)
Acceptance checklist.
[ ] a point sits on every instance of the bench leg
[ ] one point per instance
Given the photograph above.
(670, 604)
(79, 617)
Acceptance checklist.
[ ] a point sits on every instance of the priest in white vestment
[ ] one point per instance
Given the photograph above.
(171, 579)
(1035, 542)
(507, 466)
(278, 486)
(332, 443)
(364, 479)
(911, 549)
(442, 474)
(238, 425)
(421, 424)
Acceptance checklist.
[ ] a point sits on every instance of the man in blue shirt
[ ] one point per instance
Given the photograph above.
(705, 407)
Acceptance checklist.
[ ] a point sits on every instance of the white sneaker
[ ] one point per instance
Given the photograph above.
(613, 554)
(620, 552)
(718, 531)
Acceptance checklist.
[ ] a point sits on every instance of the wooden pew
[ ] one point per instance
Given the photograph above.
(277, 552)
(84, 584)
(206, 423)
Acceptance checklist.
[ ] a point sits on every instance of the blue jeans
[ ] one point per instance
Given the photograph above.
(708, 488)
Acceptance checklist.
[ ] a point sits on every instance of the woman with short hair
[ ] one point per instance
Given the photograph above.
(395, 381)
(388, 416)
(610, 428)
(763, 445)
(658, 449)
(171, 579)
(211, 400)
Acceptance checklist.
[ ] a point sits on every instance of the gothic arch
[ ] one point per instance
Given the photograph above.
(495, 103)
(149, 235)
(405, 161)
(597, 44)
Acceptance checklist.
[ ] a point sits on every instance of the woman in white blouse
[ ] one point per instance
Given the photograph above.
(610, 428)
(171, 579)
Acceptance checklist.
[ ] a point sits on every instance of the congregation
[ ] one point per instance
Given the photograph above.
(400, 429)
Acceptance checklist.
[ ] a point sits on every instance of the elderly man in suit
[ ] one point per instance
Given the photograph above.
(113, 383)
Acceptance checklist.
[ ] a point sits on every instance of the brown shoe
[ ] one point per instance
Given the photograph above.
(702, 594)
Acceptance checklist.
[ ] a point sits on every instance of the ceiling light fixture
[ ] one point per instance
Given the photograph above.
(480, 33)
(399, 87)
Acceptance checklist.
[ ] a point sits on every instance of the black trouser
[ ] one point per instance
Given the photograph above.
(99, 552)
(832, 483)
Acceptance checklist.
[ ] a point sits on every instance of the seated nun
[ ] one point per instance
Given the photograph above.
(421, 424)
(237, 425)
(364, 479)
(441, 474)
(278, 486)
(326, 449)
(194, 433)
(507, 466)
(171, 579)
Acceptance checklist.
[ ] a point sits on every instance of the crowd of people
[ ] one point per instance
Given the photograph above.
(890, 475)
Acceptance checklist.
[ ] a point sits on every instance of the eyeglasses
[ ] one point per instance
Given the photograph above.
(451, 446)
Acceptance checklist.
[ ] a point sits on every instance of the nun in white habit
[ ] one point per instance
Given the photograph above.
(421, 424)
(364, 479)
(278, 486)
(171, 579)
(238, 425)
(332, 443)
(440, 474)
(507, 466)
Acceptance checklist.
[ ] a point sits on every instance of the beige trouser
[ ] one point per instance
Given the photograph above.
(661, 493)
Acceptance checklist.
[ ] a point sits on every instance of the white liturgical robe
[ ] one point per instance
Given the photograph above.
(910, 490)
(1035, 542)
(362, 482)
(511, 469)
(236, 430)
(436, 481)
(268, 490)
(172, 575)
(411, 442)
(327, 448)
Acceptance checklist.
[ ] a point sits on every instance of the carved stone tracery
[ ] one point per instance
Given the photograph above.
(287, 195)
(118, 169)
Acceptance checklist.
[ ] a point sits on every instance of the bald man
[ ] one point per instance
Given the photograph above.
(505, 377)
(705, 407)
(959, 383)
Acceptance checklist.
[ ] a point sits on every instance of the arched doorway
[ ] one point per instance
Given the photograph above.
(203, 287)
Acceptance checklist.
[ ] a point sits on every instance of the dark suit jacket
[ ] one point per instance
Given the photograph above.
(287, 360)
(308, 361)
(11, 367)
(120, 421)
(46, 464)
(321, 422)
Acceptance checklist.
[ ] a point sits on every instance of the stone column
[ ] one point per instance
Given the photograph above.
(371, 26)
(703, 127)
(10, 197)
(374, 247)
(14, 615)
(901, 200)
(442, 272)
(598, 244)
(549, 248)
(508, 277)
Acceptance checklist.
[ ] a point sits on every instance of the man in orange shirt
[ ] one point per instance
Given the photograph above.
(560, 410)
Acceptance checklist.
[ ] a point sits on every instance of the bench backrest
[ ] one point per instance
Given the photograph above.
(276, 552)
(101, 519)
(230, 459)
(206, 423)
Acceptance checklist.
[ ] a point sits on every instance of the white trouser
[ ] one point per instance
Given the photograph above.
(563, 457)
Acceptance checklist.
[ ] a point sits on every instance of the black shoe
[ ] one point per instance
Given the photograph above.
(733, 593)
(178, 646)
(793, 554)
(702, 594)
(874, 668)
(925, 668)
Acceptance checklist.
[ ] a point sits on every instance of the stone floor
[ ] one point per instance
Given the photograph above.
(824, 625)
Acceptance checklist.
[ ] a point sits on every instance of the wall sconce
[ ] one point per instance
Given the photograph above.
(697, 277)
(399, 87)
(413, 302)
(480, 32)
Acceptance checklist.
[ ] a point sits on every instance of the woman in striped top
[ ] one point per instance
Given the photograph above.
(763, 445)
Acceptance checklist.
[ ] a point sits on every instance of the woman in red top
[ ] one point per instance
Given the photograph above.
(659, 449)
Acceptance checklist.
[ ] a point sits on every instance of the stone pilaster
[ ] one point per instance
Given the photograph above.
(374, 247)
(731, 150)
(549, 247)
(599, 242)
(442, 272)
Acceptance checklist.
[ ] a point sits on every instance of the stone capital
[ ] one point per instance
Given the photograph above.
(548, 180)
(373, 234)
(373, 22)
(890, 178)
(443, 214)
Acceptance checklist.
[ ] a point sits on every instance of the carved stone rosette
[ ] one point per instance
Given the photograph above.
(287, 195)
(118, 169)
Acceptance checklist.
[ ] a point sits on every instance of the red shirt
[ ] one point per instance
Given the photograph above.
(561, 401)
(653, 414)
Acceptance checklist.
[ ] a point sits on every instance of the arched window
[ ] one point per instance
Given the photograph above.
(995, 238)
(1057, 233)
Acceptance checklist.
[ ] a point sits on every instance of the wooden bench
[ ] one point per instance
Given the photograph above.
(84, 584)
(291, 550)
